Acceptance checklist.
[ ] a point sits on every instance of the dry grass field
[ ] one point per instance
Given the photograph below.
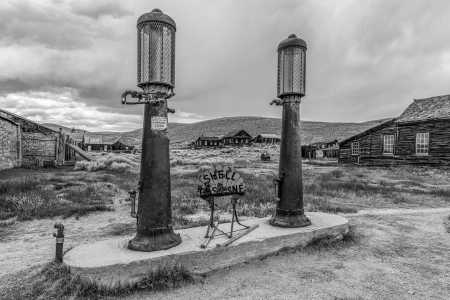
(389, 251)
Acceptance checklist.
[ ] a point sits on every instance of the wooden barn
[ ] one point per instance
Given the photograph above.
(237, 137)
(267, 138)
(420, 135)
(24, 143)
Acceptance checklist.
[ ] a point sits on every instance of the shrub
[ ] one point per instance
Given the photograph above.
(34, 197)
(112, 162)
(55, 281)
(337, 173)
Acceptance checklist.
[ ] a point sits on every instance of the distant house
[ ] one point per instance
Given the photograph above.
(420, 135)
(323, 149)
(237, 137)
(267, 138)
(24, 143)
(77, 137)
(234, 138)
(208, 141)
(121, 145)
(105, 143)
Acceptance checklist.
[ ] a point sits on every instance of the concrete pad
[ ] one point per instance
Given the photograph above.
(111, 263)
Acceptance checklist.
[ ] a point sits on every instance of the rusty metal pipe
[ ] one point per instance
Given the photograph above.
(133, 94)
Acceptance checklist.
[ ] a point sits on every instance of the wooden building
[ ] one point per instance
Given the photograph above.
(323, 149)
(234, 138)
(121, 145)
(237, 138)
(105, 143)
(32, 144)
(420, 135)
(10, 149)
(208, 141)
(267, 138)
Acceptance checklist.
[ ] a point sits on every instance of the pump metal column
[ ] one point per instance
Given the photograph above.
(291, 87)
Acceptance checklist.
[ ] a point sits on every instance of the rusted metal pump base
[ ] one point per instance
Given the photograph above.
(299, 220)
(160, 241)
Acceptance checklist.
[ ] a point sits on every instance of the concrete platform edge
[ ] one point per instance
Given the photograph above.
(206, 262)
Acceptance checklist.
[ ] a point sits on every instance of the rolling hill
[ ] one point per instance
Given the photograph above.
(184, 133)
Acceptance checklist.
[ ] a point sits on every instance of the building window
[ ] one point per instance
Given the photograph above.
(355, 148)
(422, 143)
(388, 144)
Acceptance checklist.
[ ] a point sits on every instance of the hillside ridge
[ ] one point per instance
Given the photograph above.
(312, 131)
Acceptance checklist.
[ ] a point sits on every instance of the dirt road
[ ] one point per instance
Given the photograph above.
(402, 256)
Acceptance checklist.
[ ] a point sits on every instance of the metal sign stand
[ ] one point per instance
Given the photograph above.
(213, 229)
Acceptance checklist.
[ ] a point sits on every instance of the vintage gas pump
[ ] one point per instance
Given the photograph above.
(291, 88)
(156, 78)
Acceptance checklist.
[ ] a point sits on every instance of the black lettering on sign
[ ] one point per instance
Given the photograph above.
(220, 181)
(206, 178)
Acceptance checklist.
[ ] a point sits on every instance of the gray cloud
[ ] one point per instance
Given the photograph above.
(99, 8)
(365, 59)
(59, 25)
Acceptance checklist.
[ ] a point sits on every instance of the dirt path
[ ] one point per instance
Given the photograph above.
(25, 244)
(402, 256)
(398, 211)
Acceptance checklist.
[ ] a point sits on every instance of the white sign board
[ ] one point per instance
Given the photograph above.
(159, 123)
(220, 181)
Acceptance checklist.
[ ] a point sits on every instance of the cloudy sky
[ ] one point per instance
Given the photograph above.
(67, 62)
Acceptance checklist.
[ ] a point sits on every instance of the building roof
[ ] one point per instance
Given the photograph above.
(9, 120)
(77, 136)
(433, 108)
(427, 109)
(209, 138)
(22, 121)
(324, 142)
(269, 135)
(100, 139)
(381, 125)
(236, 132)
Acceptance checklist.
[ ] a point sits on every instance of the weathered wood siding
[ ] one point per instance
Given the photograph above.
(38, 145)
(439, 142)
(371, 144)
(39, 149)
(10, 154)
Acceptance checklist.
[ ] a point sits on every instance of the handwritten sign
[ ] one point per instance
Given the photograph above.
(220, 181)
(159, 123)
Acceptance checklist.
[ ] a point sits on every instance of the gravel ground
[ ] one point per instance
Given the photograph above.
(402, 256)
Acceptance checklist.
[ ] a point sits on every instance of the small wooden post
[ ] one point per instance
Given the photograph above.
(59, 235)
